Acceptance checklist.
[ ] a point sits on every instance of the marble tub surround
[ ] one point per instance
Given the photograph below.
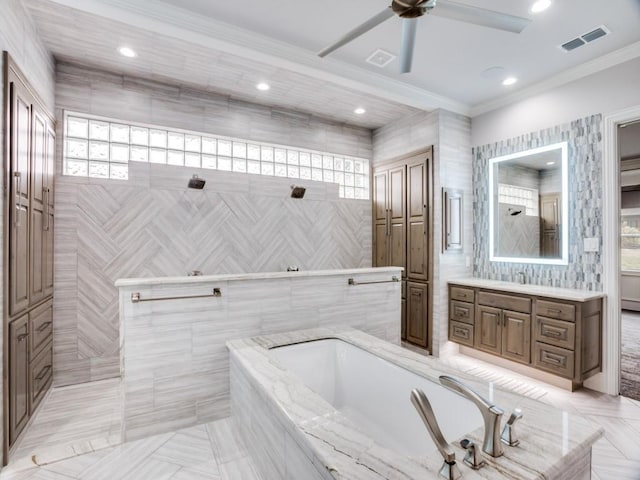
(306, 432)
(570, 294)
(174, 361)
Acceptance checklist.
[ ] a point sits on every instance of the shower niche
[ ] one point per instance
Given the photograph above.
(528, 205)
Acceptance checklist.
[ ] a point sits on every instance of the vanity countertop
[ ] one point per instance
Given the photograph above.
(553, 442)
(538, 290)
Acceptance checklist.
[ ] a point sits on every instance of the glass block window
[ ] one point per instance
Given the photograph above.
(102, 148)
(514, 195)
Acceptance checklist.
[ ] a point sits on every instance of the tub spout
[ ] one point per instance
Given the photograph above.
(449, 469)
(491, 415)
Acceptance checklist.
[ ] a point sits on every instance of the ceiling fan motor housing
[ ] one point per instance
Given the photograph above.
(412, 8)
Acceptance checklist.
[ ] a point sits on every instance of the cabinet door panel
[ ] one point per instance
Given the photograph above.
(19, 216)
(417, 313)
(397, 246)
(516, 336)
(37, 252)
(488, 329)
(380, 246)
(418, 235)
(397, 195)
(18, 376)
(380, 196)
(417, 260)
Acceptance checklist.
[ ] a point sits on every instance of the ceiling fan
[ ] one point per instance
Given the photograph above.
(410, 10)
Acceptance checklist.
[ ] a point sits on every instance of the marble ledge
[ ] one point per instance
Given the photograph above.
(552, 441)
(528, 289)
(134, 282)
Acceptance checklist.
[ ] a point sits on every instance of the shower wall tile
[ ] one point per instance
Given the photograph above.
(152, 225)
(174, 358)
(584, 270)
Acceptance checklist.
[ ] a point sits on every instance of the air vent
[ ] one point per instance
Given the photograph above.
(594, 34)
(381, 58)
(588, 37)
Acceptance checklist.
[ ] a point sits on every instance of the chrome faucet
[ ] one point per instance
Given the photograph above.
(491, 415)
(449, 469)
(522, 279)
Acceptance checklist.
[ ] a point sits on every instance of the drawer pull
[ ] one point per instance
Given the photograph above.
(554, 310)
(463, 295)
(43, 327)
(555, 359)
(43, 373)
(22, 337)
(552, 333)
(461, 332)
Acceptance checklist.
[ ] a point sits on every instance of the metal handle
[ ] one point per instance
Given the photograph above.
(22, 336)
(388, 222)
(137, 298)
(503, 319)
(473, 458)
(43, 372)
(508, 435)
(18, 177)
(43, 327)
(554, 310)
(551, 333)
(352, 281)
(548, 357)
(424, 219)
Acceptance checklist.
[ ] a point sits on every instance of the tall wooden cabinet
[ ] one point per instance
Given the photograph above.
(402, 203)
(28, 251)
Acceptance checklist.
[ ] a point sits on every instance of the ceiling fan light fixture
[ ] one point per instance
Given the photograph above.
(359, 111)
(127, 52)
(540, 6)
(509, 81)
(263, 86)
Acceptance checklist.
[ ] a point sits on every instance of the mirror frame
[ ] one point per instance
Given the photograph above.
(564, 259)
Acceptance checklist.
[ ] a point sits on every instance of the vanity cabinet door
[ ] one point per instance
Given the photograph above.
(516, 336)
(488, 329)
(418, 221)
(18, 376)
(417, 310)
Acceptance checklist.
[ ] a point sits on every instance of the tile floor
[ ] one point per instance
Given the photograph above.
(214, 451)
(630, 354)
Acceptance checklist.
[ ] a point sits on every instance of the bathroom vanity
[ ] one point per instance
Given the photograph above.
(557, 331)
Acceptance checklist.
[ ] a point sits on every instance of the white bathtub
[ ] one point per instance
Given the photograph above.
(375, 394)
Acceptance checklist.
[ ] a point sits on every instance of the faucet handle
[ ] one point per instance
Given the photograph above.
(509, 432)
(473, 458)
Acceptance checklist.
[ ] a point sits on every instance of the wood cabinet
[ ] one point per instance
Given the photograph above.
(402, 203)
(28, 272)
(553, 335)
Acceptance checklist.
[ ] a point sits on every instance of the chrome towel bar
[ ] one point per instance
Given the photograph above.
(393, 280)
(136, 298)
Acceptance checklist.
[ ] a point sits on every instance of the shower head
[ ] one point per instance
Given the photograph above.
(297, 192)
(197, 183)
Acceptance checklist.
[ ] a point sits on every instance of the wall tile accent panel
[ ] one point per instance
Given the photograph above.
(450, 134)
(584, 270)
(18, 36)
(174, 357)
(151, 225)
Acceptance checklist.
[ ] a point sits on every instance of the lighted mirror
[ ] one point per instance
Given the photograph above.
(528, 204)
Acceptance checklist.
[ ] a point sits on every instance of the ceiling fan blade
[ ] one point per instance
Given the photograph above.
(409, 27)
(386, 14)
(480, 16)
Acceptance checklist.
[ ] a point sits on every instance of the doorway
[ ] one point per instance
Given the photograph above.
(629, 161)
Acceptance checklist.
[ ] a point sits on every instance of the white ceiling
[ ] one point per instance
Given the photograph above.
(189, 41)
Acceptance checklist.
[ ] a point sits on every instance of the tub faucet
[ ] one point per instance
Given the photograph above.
(449, 469)
(491, 415)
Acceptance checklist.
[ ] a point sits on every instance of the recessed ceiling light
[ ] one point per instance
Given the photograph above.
(127, 52)
(263, 86)
(509, 81)
(551, 163)
(359, 111)
(540, 6)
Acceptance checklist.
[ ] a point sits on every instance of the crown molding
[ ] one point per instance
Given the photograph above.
(164, 19)
(599, 64)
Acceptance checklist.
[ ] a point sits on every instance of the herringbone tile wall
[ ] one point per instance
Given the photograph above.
(153, 225)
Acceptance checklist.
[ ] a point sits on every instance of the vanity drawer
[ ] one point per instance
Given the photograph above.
(508, 302)
(461, 333)
(41, 328)
(561, 311)
(555, 332)
(552, 359)
(462, 294)
(461, 311)
(41, 375)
